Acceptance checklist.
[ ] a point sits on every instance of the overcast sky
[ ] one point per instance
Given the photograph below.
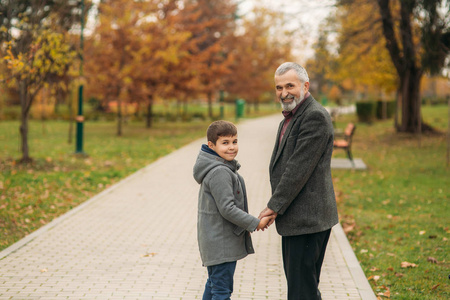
(305, 17)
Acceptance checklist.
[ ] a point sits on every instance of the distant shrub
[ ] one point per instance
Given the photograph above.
(366, 111)
(434, 101)
(10, 113)
(390, 109)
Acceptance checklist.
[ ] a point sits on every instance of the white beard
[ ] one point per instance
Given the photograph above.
(290, 106)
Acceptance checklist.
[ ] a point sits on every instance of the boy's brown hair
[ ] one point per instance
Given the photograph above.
(220, 128)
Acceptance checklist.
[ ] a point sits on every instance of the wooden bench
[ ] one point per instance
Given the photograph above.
(344, 140)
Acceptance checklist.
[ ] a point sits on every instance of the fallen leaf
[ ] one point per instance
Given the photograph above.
(406, 264)
(390, 269)
(348, 227)
(422, 232)
(387, 294)
(364, 251)
(435, 286)
(432, 260)
(374, 269)
(390, 254)
(432, 236)
(148, 254)
(399, 275)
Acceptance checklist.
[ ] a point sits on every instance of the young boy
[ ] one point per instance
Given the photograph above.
(223, 224)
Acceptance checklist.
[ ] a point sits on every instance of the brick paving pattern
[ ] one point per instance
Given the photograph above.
(137, 239)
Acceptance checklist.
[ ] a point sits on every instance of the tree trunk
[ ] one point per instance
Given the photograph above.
(210, 111)
(71, 116)
(178, 114)
(404, 59)
(119, 116)
(397, 108)
(149, 119)
(410, 96)
(256, 105)
(24, 104)
(185, 105)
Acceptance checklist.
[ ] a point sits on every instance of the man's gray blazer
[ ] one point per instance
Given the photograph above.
(300, 173)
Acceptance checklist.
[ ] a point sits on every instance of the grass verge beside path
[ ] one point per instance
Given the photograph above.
(57, 180)
(396, 213)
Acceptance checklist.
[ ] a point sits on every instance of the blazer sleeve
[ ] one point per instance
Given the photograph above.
(311, 143)
(221, 186)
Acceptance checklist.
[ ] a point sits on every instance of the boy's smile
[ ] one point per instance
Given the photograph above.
(226, 146)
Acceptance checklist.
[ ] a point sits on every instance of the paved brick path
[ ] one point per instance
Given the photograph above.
(137, 239)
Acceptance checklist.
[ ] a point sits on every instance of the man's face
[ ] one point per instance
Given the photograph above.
(226, 147)
(290, 91)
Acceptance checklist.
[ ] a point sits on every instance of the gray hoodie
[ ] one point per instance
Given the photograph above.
(223, 222)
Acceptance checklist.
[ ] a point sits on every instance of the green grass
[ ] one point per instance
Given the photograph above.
(395, 211)
(32, 195)
(398, 210)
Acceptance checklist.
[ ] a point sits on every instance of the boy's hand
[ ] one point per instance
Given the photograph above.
(264, 223)
(267, 212)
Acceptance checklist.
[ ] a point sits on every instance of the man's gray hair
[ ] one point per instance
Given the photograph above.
(287, 66)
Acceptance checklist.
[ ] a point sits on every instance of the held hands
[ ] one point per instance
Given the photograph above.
(267, 217)
(263, 223)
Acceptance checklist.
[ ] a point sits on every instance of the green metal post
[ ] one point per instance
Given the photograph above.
(80, 118)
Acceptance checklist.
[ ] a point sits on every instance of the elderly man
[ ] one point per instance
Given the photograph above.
(303, 198)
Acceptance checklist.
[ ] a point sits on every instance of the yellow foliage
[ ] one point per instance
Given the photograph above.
(364, 62)
(334, 93)
(49, 54)
(42, 111)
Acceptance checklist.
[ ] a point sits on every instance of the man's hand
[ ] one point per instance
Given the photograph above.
(267, 212)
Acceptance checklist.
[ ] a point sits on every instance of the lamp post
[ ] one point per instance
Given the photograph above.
(79, 118)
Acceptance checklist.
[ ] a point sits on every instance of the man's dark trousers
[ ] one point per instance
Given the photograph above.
(303, 257)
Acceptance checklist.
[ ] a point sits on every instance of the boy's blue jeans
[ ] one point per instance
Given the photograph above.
(219, 285)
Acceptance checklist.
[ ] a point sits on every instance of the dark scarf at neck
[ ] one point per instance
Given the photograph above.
(206, 149)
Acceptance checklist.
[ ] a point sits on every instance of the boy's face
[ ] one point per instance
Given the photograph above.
(226, 147)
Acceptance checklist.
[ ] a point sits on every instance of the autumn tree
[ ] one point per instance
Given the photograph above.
(323, 64)
(157, 67)
(417, 36)
(211, 22)
(128, 55)
(362, 63)
(109, 52)
(257, 52)
(35, 49)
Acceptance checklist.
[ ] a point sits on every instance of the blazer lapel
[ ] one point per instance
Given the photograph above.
(278, 149)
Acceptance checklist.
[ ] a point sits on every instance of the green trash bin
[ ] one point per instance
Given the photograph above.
(240, 105)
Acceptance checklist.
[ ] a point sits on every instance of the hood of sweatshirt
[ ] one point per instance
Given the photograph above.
(207, 160)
